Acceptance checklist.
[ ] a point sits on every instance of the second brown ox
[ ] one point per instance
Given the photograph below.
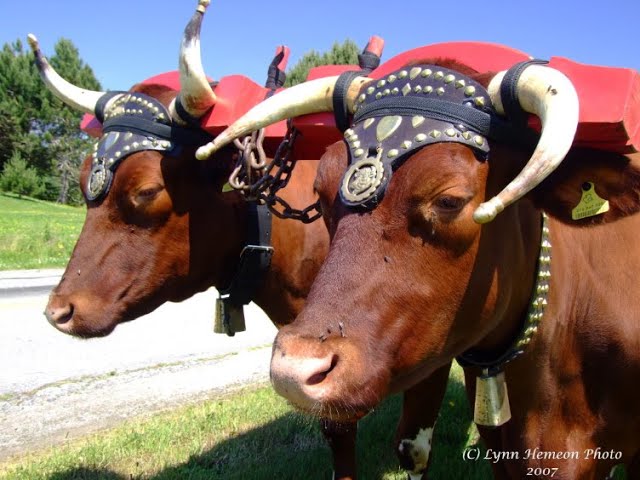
(163, 229)
(433, 258)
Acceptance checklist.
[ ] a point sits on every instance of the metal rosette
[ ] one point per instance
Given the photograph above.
(362, 182)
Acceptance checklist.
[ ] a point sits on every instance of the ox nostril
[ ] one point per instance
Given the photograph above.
(59, 315)
(319, 377)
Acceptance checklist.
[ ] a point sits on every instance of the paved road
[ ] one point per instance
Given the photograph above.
(53, 386)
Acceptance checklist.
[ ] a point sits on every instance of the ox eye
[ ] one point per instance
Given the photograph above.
(449, 203)
(147, 193)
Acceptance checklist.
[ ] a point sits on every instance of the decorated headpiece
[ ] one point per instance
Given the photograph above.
(403, 112)
(133, 122)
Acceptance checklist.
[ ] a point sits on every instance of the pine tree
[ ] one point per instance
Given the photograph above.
(345, 53)
(37, 125)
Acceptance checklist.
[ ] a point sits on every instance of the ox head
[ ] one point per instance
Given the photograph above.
(421, 267)
(158, 226)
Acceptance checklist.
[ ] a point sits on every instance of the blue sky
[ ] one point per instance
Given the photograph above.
(128, 41)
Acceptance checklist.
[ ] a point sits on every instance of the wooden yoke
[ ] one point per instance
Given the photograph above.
(609, 97)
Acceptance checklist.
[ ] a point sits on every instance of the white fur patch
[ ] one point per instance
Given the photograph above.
(419, 449)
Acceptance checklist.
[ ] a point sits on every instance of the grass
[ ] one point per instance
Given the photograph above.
(250, 435)
(36, 234)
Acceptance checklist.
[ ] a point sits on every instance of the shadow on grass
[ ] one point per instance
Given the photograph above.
(292, 447)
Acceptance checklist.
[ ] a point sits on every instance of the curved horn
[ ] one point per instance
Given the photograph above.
(309, 97)
(75, 97)
(550, 95)
(196, 95)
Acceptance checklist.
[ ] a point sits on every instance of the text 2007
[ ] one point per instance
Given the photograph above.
(538, 472)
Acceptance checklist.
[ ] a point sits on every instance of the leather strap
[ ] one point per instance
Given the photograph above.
(255, 258)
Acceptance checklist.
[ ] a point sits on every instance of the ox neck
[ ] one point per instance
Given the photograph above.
(535, 313)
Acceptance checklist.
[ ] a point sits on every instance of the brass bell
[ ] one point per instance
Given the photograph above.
(492, 400)
(229, 318)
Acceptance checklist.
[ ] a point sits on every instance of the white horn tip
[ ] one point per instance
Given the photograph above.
(33, 41)
(487, 211)
(205, 151)
(202, 5)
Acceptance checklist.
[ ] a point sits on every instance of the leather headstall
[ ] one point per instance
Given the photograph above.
(405, 111)
(133, 123)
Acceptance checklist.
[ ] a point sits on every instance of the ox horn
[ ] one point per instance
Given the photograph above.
(196, 95)
(309, 97)
(551, 96)
(75, 97)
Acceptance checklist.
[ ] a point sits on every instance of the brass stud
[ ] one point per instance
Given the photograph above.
(166, 144)
(395, 91)
(450, 132)
(470, 90)
(479, 140)
(362, 97)
(435, 133)
(466, 135)
(417, 120)
(440, 91)
(386, 92)
(459, 83)
(421, 137)
(438, 75)
(127, 148)
(417, 89)
(117, 154)
(368, 122)
(387, 126)
(381, 83)
(403, 74)
(353, 137)
(426, 72)
(110, 161)
(358, 153)
(406, 89)
(427, 89)
(406, 144)
(356, 144)
(479, 101)
(414, 72)
(392, 153)
(348, 132)
(370, 90)
(378, 96)
(145, 143)
(391, 78)
(135, 144)
(449, 78)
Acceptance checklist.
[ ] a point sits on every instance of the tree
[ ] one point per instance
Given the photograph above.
(37, 125)
(340, 54)
(19, 178)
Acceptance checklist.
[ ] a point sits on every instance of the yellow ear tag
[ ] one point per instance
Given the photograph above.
(590, 204)
(227, 188)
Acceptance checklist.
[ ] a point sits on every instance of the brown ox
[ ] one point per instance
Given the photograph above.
(165, 230)
(424, 274)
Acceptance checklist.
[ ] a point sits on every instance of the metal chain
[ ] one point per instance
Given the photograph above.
(256, 180)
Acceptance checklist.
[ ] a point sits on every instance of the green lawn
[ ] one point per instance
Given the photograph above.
(251, 435)
(36, 234)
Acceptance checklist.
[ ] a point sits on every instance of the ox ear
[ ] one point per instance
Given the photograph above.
(591, 187)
